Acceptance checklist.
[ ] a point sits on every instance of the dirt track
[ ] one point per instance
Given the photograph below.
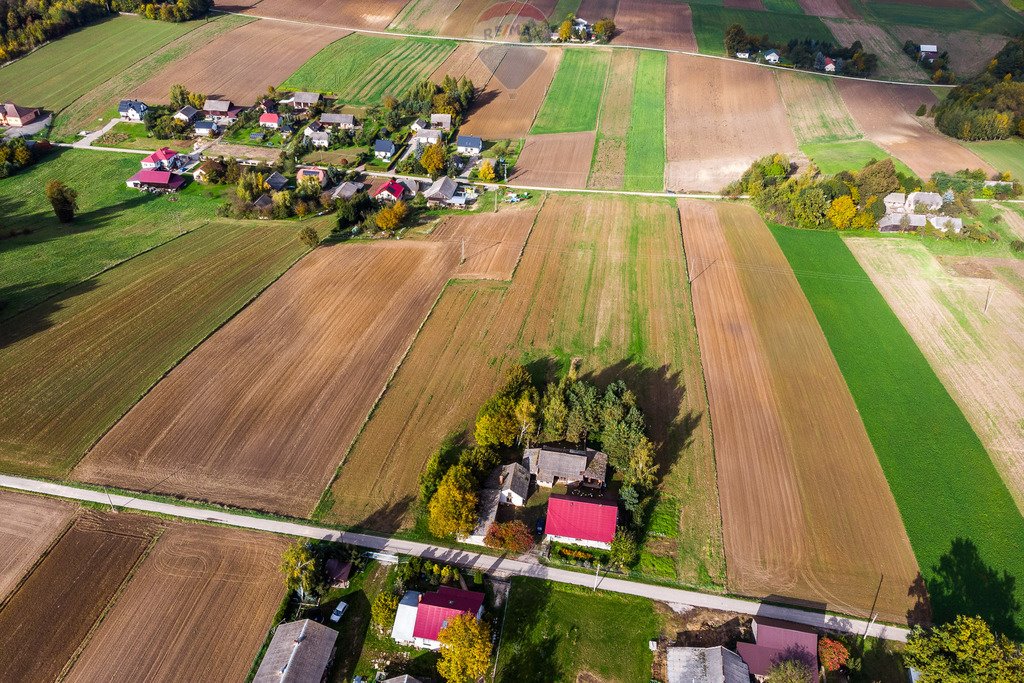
(261, 414)
(352, 13)
(806, 509)
(198, 609)
(977, 353)
(555, 160)
(714, 131)
(28, 525)
(886, 115)
(666, 25)
(224, 68)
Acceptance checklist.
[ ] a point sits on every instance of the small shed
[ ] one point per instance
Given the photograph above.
(338, 572)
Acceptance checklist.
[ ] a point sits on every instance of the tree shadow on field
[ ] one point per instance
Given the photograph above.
(528, 651)
(20, 318)
(387, 518)
(962, 583)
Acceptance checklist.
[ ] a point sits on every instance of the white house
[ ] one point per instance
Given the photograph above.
(186, 114)
(421, 616)
(513, 484)
(772, 56)
(469, 145)
(428, 136)
(384, 149)
(418, 125)
(830, 65)
(205, 129)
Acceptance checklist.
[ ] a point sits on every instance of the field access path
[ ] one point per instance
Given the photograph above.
(502, 566)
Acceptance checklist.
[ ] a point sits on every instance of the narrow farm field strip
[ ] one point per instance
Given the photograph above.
(71, 367)
(829, 8)
(1003, 155)
(645, 143)
(197, 609)
(46, 620)
(350, 13)
(555, 160)
(600, 279)
(361, 69)
(815, 110)
(771, 378)
(564, 7)
(709, 24)
(667, 25)
(57, 74)
(574, 97)
(276, 396)
(424, 16)
(563, 633)
(783, 6)
(608, 166)
(956, 508)
(849, 155)
(113, 223)
(970, 327)
(28, 526)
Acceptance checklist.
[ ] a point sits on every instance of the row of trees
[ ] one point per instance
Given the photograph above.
(991, 105)
(16, 155)
(27, 25)
(165, 10)
(807, 53)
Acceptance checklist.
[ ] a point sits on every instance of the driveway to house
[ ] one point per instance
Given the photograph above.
(489, 564)
(30, 129)
(87, 140)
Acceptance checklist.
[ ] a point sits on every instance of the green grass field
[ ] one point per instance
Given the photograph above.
(564, 7)
(645, 142)
(127, 135)
(1004, 155)
(710, 22)
(57, 74)
(574, 96)
(783, 6)
(947, 489)
(849, 155)
(362, 69)
(991, 16)
(554, 632)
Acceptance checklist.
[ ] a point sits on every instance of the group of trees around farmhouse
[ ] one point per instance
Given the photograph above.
(165, 10)
(567, 30)
(27, 25)
(805, 54)
(15, 155)
(937, 66)
(160, 121)
(991, 105)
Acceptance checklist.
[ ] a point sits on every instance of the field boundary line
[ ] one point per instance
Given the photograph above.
(42, 556)
(618, 46)
(501, 566)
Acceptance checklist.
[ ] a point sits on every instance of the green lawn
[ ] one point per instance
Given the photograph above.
(710, 22)
(849, 155)
(574, 97)
(645, 142)
(963, 525)
(134, 136)
(783, 6)
(362, 69)
(1004, 155)
(59, 73)
(554, 632)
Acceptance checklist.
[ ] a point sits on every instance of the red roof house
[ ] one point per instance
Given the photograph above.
(391, 191)
(159, 181)
(581, 521)
(163, 158)
(778, 641)
(270, 120)
(437, 609)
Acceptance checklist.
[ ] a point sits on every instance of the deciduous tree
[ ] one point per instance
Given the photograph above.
(434, 159)
(486, 171)
(624, 552)
(301, 568)
(832, 654)
(452, 510)
(789, 671)
(465, 649)
(63, 199)
(512, 536)
(383, 610)
(604, 30)
(962, 651)
(842, 212)
(309, 237)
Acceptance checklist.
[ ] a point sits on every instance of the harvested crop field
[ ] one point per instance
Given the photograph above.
(893, 63)
(260, 415)
(814, 108)
(493, 242)
(511, 81)
(492, 20)
(424, 16)
(44, 623)
(713, 134)
(28, 526)
(970, 327)
(557, 160)
(644, 23)
(829, 8)
(601, 279)
(198, 609)
(885, 113)
(223, 68)
(344, 13)
(609, 166)
(744, 4)
(771, 379)
(594, 10)
(969, 51)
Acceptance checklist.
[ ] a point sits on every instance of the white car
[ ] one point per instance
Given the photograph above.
(339, 612)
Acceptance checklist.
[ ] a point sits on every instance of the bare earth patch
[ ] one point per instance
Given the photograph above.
(491, 242)
(346, 13)
(555, 160)
(829, 8)
(28, 525)
(655, 24)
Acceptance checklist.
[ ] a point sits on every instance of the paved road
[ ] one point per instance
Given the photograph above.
(501, 566)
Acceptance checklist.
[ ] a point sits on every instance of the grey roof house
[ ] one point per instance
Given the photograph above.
(513, 484)
(300, 652)
(131, 110)
(343, 121)
(276, 181)
(706, 665)
(304, 100)
(469, 144)
(383, 149)
(441, 191)
(442, 121)
(346, 190)
(566, 466)
(188, 114)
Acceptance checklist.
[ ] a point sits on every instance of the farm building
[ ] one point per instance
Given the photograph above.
(441, 191)
(299, 652)
(707, 665)
(421, 616)
(441, 121)
(164, 159)
(13, 116)
(924, 201)
(221, 111)
(775, 640)
(772, 56)
(186, 114)
(384, 149)
(566, 466)
(513, 484)
(272, 121)
(301, 101)
(276, 182)
(205, 129)
(339, 121)
(469, 145)
(263, 202)
(346, 190)
(338, 573)
(131, 110)
(319, 174)
(929, 52)
(156, 181)
(581, 521)
(391, 191)
(427, 136)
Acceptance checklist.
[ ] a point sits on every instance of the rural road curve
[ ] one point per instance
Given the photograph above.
(502, 566)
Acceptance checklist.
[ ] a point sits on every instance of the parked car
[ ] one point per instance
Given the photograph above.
(339, 612)
(540, 525)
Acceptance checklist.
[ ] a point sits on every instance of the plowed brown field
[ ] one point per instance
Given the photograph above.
(829, 8)
(971, 329)
(654, 24)
(806, 509)
(885, 113)
(815, 110)
(260, 415)
(45, 621)
(594, 10)
(223, 68)
(28, 526)
(198, 609)
(346, 13)
(493, 19)
(511, 83)
(555, 160)
(713, 132)
(490, 242)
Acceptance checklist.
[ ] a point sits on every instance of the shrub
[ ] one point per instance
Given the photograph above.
(922, 110)
(512, 536)
(309, 237)
(1017, 246)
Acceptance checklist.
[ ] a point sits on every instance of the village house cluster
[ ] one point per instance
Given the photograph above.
(916, 210)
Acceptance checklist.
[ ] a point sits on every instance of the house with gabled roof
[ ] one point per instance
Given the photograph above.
(301, 101)
(437, 609)
(270, 120)
(705, 665)
(418, 125)
(470, 145)
(428, 136)
(772, 56)
(384, 149)
(300, 652)
(390, 191)
(186, 114)
(205, 129)
(276, 182)
(156, 181)
(441, 191)
(441, 121)
(131, 110)
(13, 116)
(305, 172)
(551, 464)
(776, 641)
(338, 121)
(581, 521)
(163, 159)
(221, 111)
(347, 190)
(513, 484)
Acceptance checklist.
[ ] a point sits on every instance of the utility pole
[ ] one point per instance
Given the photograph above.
(597, 575)
(462, 259)
(988, 299)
